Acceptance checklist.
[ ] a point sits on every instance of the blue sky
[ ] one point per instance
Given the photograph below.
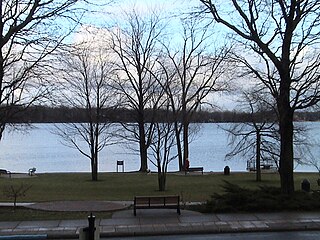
(117, 7)
(172, 10)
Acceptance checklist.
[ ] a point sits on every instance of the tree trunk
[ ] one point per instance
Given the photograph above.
(3, 111)
(286, 153)
(286, 136)
(258, 150)
(162, 181)
(93, 151)
(143, 149)
(94, 167)
(179, 147)
(185, 142)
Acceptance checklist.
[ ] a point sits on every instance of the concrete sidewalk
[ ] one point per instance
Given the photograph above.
(164, 222)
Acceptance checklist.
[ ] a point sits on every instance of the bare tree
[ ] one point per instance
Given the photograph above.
(30, 32)
(282, 36)
(193, 72)
(85, 84)
(163, 141)
(162, 150)
(14, 192)
(136, 48)
(257, 138)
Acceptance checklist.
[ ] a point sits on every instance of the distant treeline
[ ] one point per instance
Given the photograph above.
(43, 114)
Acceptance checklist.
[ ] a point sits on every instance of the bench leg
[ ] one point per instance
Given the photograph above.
(134, 211)
(178, 211)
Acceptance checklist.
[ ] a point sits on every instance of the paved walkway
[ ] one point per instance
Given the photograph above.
(160, 222)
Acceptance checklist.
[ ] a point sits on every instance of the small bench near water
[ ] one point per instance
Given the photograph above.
(5, 172)
(194, 169)
(156, 202)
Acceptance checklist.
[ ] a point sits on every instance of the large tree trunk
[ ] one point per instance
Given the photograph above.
(286, 153)
(162, 181)
(286, 136)
(3, 111)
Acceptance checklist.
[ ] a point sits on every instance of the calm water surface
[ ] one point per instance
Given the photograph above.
(41, 149)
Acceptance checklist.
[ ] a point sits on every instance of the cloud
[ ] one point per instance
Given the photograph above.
(91, 34)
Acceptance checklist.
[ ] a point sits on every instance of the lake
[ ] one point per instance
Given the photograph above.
(43, 150)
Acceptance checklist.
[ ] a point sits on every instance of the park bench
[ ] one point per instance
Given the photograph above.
(5, 172)
(156, 202)
(194, 169)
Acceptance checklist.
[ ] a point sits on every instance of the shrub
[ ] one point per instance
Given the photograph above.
(265, 198)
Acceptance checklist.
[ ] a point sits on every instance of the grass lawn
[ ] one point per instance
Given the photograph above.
(26, 214)
(123, 186)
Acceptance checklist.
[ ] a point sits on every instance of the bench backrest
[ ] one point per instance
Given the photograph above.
(172, 199)
(141, 200)
(196, 168)
(157, 200)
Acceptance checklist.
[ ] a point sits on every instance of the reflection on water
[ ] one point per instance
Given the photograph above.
(43, 150)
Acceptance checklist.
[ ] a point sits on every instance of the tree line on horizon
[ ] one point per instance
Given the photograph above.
(45, 114)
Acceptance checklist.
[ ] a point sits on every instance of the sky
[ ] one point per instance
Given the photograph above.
(173, 10)
(112, 14)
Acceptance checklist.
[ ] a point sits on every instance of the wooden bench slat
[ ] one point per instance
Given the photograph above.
(194, 169)
(148, 202)
(142, 200)
(156, 201)
(170, 201)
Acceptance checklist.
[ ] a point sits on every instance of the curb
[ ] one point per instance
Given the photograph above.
(62, 236)
(186, 231)
(24, 237)
(198, 232)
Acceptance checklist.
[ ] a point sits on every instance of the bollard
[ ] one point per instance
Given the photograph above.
(89, 232)
(91, 228)
(305, 185)
(226, 170)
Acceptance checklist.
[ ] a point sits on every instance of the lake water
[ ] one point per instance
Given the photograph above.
(43, 150)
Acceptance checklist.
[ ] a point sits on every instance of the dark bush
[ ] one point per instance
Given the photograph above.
(239, 199)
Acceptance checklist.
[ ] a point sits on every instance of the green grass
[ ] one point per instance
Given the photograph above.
(124, 186)
(26, 214)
